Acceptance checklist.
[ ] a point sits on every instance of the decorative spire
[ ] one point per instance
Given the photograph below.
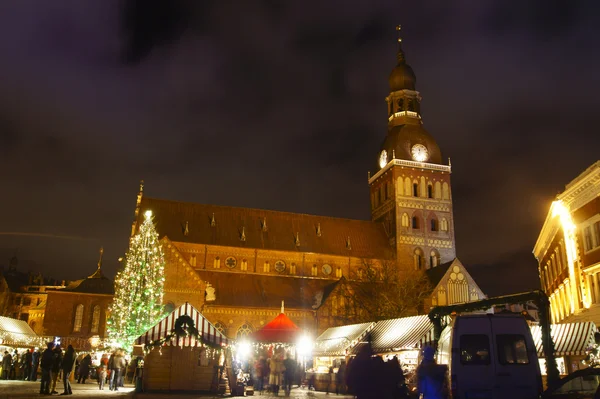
(400, 56)
(393, 153)
(348, 245)
(100, 259)
(297, 239)
(213, 222)
(282, 306)
(263, 224)
(186, 230)
(318, 229)
(243, 234)
(98, 272)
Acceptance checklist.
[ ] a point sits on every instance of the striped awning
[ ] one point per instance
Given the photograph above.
(400, 334)
(336, 340)
(570, 339)
(206, 330)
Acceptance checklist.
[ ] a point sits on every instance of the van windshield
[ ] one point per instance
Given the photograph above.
(474, 349)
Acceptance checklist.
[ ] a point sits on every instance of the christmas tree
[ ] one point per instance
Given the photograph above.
(137, 303)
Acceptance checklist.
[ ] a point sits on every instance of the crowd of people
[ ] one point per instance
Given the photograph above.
(54, 365)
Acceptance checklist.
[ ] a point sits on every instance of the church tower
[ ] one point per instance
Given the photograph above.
(410, 186)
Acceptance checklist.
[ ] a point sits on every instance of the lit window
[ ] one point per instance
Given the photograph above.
(315, 270)
(267, 267)
(244, 264)
(95, 319)
(444, 225)
(405, 220)
(78, 318)
(217, 263)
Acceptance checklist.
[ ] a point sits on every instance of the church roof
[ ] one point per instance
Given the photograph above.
(436, 274)
(266, 229)
(266, 291)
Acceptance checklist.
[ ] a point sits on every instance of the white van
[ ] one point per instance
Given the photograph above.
(490, 357)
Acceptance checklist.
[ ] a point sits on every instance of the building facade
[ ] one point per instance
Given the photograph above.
(568, 250)
(238, 265)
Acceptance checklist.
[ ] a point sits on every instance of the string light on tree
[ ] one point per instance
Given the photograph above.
(139, 287)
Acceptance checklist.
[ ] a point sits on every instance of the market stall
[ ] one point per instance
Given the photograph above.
(183, 353)
(17, 334)
(571, 342)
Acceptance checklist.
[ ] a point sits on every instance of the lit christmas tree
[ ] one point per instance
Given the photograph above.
(137, 303)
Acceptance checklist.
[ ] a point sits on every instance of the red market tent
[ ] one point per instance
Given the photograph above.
(280, 329)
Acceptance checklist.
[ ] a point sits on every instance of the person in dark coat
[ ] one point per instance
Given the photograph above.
(288, 374)
(360, 376)
(27, 362)
(68, 364)
(56, 363)
(6, 363)
(340, 378)
(35, 364)
(46, 365)
(431, 377)
(84, 369)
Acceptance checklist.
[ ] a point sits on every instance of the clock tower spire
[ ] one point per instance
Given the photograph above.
(409, 184)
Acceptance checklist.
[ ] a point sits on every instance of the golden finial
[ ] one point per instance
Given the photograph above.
(100, 259)
(398, 29)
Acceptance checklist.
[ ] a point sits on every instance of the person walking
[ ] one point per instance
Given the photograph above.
(6, 364)
(46, 364)
(330, 375)
(111, 370)
(288, 374)
(431, 377)
(84, 369)
(68, 364)
(102, 369)
(14, 365)
(35, 364)
(27, 363)
(55, 371)
(119, 366)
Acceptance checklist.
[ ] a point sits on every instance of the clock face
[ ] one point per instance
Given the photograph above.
(280, 266)
(326, 269)
(383, 159)
(419, 153)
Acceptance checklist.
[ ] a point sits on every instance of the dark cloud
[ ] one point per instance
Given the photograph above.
(280, 105)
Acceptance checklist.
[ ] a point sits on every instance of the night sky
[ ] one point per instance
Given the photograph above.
(280, 105)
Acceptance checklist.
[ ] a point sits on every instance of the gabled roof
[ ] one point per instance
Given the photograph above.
(336, 340)
(435, 274)
(206, 330)
(266, 291)
(265, 229)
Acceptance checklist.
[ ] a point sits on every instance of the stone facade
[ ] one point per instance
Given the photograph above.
(568, 250)
(61, 312)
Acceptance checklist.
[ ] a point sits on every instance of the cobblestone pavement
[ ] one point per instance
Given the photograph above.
(26, 390)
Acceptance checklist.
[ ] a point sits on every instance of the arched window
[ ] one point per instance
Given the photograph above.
(434, 224)
(292, 268)
(407, 187)
(244, 330)
(437, 192)
(434, 258)
(405, 220)
(244, 265)
(415, 222)
(95, 319)
(445, 191)
(400, 105)
(78, 320)
(220, 327)
(314, 270)
(415, 189)
(411, 105)
(217, 263)
(444, 224)
(418, 258)
(429, 190)
(267, 267)
(400, 186)
(338, 272)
